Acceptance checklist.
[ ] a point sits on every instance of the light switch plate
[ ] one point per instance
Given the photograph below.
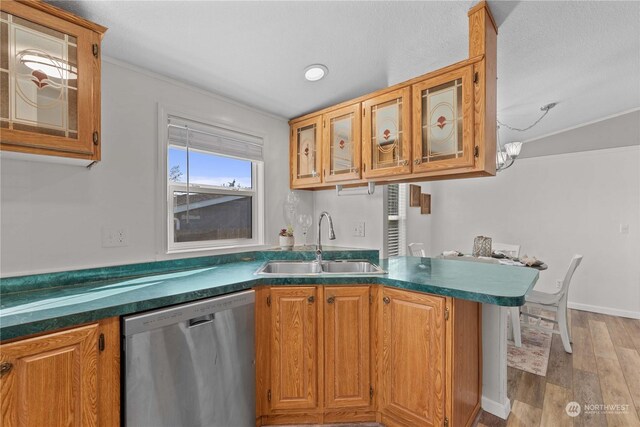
(113, 237)
(358, 229)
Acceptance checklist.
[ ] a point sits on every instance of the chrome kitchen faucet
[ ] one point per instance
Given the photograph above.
(332, 235)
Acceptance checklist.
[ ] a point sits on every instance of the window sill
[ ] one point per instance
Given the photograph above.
(220, 249)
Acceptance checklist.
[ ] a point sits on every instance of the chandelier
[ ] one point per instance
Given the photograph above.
(507, 154)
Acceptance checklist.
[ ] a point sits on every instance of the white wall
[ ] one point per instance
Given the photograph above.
(52, 215)
(419, 225)
(345, 211)
(554, 207)
(620, 130)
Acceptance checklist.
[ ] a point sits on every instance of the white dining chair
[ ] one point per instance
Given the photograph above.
(512, 251)
(417, 249)
(554, 302)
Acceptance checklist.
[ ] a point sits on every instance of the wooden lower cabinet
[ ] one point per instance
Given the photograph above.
(430, 360)
(413, 357)
(65, 378)
(330, 354)
(348, 383)
(313, 354)
(294, 348)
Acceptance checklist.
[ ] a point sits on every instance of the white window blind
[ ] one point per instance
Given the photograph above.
(396, 219)
(213, 138)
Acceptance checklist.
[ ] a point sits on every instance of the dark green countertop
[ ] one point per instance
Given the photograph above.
(88, 295)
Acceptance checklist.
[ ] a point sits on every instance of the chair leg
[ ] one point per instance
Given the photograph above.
(515, 322)
(566, 315)
(563, 324)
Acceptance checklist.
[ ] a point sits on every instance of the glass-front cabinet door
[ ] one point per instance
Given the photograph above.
(49, 74)
(341, 144)
(386, 134)
(443, 122)
(306, 154)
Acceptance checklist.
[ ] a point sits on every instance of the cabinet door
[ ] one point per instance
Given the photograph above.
(51, 380)
(346, 341)
(341, 144)
(413, 357)
(386, 134)
(443, 122)
(306, 154)
(294, 363)
(50, 82)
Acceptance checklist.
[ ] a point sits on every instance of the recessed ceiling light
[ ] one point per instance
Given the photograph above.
(315, 72)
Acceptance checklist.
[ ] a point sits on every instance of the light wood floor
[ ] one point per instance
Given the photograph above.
(603, 369)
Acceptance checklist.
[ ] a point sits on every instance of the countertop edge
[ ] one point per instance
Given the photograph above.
(55, 323)
(67, 278)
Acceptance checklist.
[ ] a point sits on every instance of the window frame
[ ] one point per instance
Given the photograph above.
(400, 218)
(167, 188)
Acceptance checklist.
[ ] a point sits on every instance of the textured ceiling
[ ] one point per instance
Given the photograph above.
(583, 55)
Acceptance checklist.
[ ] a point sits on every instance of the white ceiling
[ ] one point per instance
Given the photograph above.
(583, 55)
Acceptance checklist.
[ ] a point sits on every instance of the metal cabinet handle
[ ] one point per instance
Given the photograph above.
(331, 300)
(417, 162)
(386, 300)
(5, 368)
(202, 320)
(357, 170)
(404, 162)
(311, 299)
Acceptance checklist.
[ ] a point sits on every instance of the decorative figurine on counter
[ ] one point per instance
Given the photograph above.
(286, 238)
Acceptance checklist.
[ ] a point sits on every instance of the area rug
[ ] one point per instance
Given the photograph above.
(533, 356)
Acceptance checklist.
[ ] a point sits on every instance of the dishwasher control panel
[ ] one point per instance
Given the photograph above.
(183, 313)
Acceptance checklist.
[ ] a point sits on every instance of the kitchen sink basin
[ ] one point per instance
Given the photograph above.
(312, 268)
(290, 267)
(350, 267)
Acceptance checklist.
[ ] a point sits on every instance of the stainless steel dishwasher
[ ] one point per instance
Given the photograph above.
(191, 365)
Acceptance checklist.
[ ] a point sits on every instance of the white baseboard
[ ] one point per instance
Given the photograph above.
(499, 410)
(604, 310)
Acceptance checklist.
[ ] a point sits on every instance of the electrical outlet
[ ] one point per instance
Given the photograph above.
(558, 284)
(114, 237)
(358, 229)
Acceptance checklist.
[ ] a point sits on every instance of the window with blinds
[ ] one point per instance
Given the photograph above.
(213, 176)
(396, 219)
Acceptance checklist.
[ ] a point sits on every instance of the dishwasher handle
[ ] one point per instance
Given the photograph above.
(201, 320)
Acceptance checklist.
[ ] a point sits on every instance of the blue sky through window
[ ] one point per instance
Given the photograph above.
(209, 169)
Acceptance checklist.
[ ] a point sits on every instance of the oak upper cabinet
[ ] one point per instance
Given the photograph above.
(306, 152)
(50, 80)
(294, 351)
(440, 125)
(63, 378)
(413, 361)
(443, 122)
(386, 134)
(347, 363)
(341, 144)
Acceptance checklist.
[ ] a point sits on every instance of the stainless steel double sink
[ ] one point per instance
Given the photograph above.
(313, 268)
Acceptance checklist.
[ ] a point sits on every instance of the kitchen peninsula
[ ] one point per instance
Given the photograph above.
(37, 304)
